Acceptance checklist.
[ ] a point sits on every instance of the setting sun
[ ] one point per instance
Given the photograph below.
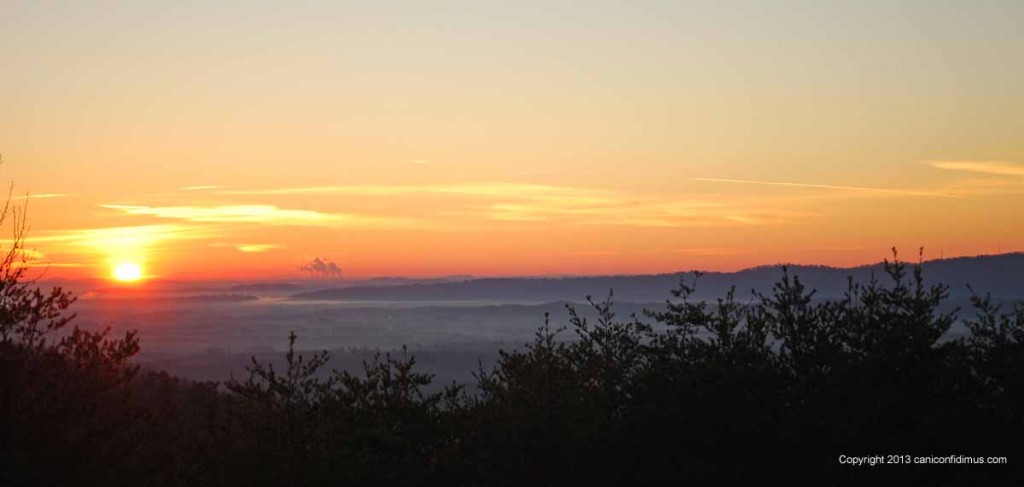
(128, 272)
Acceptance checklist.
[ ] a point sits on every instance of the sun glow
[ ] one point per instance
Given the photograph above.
(127, 272)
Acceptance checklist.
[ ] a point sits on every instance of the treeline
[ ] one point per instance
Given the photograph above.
(702, 392)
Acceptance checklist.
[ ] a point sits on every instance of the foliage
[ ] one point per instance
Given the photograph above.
(62, 391)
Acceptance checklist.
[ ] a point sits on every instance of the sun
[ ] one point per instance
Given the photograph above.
(127, 272)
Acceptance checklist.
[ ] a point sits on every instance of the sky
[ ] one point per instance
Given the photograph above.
(243, 140)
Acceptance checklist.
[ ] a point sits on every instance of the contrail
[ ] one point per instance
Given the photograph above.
(829, 186)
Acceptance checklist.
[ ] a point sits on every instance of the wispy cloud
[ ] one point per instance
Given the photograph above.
(226, 214)
(200, 188)
(127, 235)
(250, 248)
(647, 212)
(518, 202)
(260, 214)
(44, 265)
(880, 191)
(996, 168)
(40, 196)
(257, 248)
(464, 189)
(32, 255)
(121, 242)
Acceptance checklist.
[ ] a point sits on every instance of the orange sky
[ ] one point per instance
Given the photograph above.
(438, 138)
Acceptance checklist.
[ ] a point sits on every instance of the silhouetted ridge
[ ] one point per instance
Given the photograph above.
(998, 274)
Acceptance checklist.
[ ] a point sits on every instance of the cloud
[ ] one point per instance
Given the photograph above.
(256, 248)
(27, 258)
(32, 254)
(200, 188)
(41, 196)
(642, 212)
(881, 191)
(119, 243)
(524, 203)
(263, 214)
(251, 248)
(463, 189)
(226, 214)
(142, 235)
(44, 265)
(319, 267)
(996, 168)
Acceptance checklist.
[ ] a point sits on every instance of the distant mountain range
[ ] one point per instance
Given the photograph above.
(1002, 275)
(284, 286)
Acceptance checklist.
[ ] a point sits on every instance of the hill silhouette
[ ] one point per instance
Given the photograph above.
(995, 274)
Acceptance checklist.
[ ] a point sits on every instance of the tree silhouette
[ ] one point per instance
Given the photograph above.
(61, 390)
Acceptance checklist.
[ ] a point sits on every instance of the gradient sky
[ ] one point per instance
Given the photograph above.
(242, 139)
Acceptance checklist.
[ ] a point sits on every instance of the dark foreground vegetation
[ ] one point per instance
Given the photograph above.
(725, 391)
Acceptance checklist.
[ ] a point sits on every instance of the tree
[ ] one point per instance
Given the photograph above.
(59, 387)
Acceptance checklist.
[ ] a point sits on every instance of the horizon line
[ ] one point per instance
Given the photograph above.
(473, 277)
